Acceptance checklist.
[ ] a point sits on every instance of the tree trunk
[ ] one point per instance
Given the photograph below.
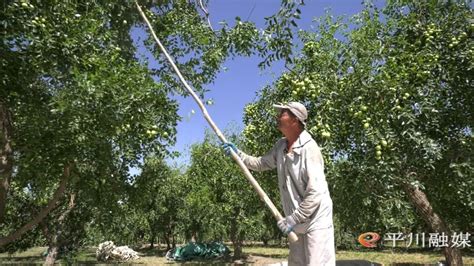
(52, 254)
(49, 239)
(42, 214)
(173, 239)
(194, 237)
(434, 221)
(6, 157)
(167, 240)
(169, 235)
(234, 235)
(56, 242)
(152, 237)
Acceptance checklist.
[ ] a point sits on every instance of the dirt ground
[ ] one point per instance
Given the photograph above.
(259, 260)
(248, 259)
(251, 256)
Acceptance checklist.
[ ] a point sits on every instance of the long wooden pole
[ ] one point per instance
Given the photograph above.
(263, 196)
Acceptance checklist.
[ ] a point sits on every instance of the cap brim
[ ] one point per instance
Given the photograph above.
(280, 106)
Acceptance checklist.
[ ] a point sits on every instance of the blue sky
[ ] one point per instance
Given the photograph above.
(237, 86)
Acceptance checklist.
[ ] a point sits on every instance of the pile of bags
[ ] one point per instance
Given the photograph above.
(108, 251)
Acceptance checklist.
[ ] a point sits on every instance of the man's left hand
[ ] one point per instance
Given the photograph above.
(228, 146)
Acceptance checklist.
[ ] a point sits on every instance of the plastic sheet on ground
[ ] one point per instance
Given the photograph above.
(194, 251)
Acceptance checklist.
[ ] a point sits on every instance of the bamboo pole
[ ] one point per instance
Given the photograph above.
(263, 196)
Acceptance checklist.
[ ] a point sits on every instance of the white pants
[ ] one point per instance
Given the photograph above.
(313, 248)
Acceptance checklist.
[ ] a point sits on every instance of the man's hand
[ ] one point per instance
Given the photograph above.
(228, 146)
(286, 224)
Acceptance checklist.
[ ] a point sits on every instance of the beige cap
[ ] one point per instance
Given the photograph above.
(296, 108)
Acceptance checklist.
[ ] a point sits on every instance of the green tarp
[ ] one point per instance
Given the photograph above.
(198, 251)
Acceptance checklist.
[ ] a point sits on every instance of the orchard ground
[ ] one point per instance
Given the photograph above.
(253, 255)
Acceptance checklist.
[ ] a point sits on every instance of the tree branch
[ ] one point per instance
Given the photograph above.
(206, 13)
(42, 214)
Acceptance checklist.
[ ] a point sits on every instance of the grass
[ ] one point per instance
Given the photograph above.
(255, 254)
(397, 257)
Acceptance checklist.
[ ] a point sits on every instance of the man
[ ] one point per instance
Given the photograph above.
(303, 188)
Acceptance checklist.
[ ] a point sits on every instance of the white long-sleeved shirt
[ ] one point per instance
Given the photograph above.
(301, 180)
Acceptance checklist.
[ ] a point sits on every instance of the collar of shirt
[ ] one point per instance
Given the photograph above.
(303, 138)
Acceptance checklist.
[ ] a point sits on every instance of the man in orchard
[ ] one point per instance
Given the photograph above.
(303, 187)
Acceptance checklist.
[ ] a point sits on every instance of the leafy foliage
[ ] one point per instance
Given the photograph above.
(221, 203)
(78, 95)
(390, 101)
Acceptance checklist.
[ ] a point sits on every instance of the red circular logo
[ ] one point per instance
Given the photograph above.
(369, 239)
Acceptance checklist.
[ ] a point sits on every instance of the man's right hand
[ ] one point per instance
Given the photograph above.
(286, 224)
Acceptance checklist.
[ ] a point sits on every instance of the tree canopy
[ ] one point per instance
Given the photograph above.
(390, 101)
(78, 105)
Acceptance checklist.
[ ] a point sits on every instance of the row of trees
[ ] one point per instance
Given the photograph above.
(390, 101)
